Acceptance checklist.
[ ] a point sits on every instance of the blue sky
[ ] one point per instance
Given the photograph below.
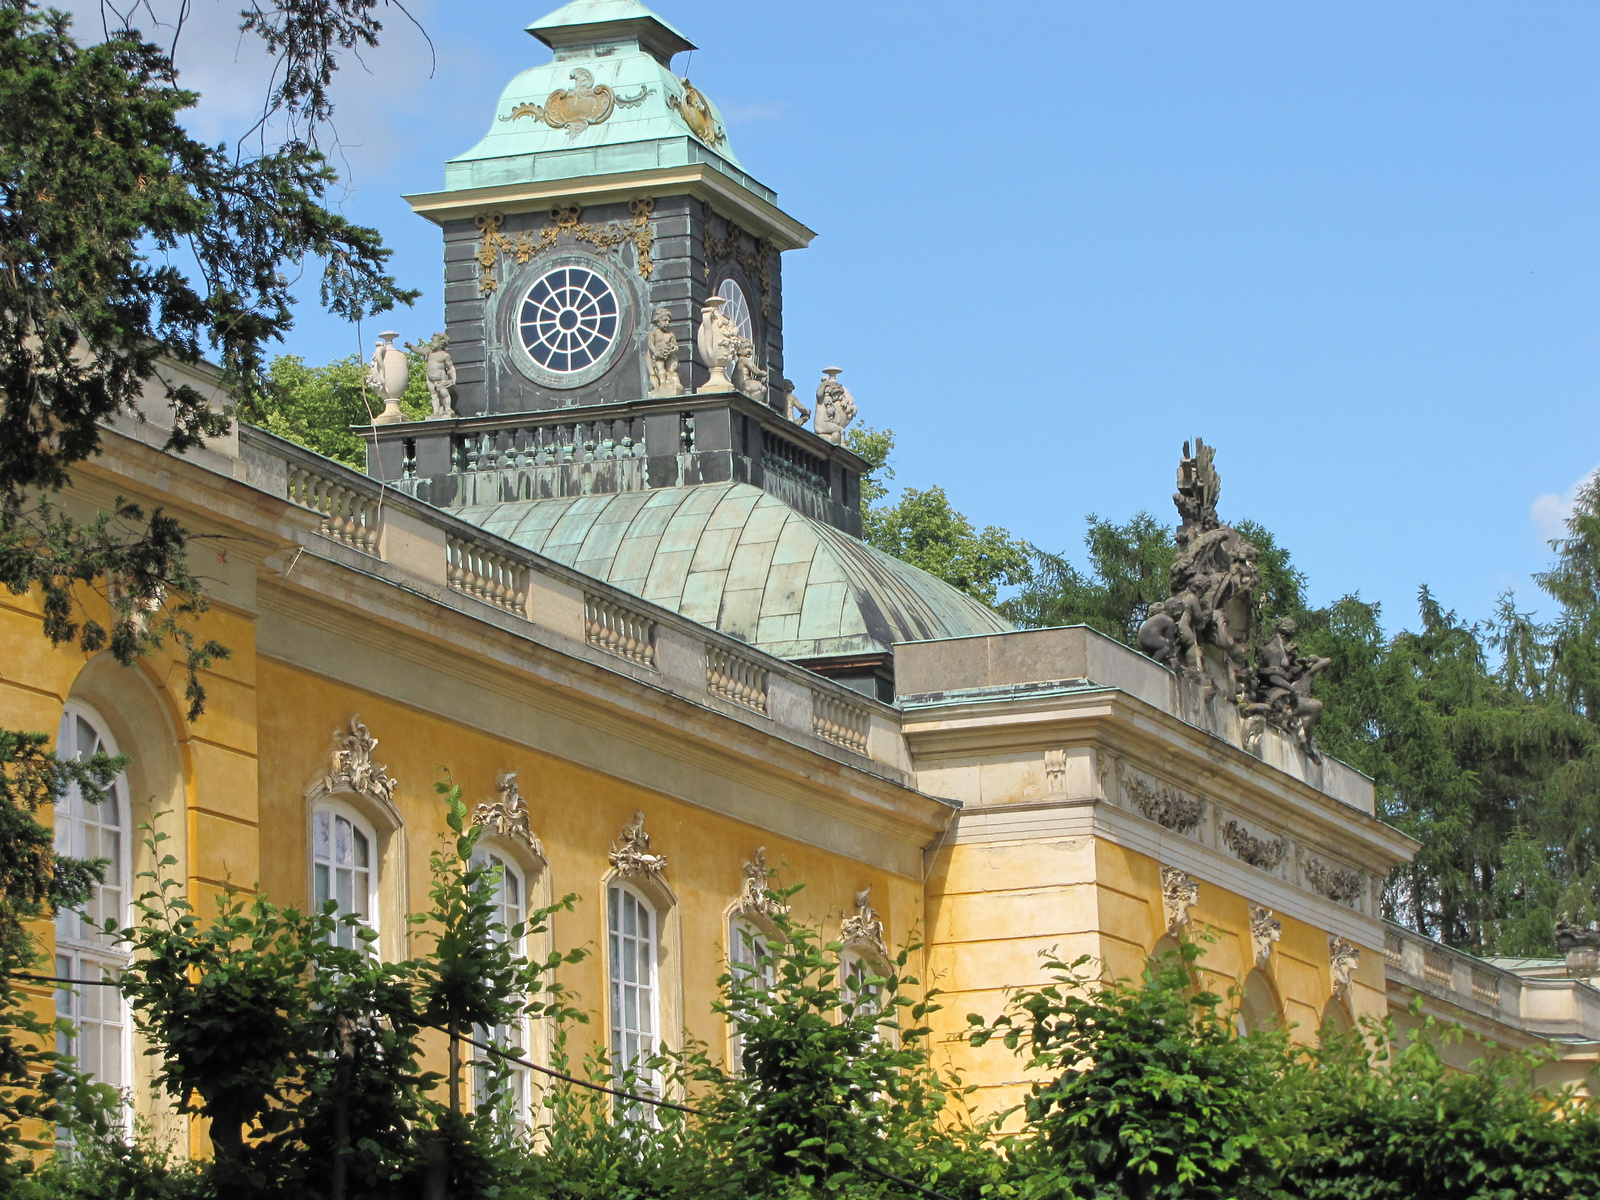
(1354, 245)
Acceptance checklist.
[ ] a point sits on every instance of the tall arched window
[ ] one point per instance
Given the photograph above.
(749, 958)
(100, 1041)
(508, 893)
(634, 941)
(344, 867)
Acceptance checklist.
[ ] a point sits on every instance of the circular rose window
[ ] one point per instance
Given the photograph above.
(568, 319)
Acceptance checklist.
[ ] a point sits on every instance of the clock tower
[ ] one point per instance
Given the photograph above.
(604, 200)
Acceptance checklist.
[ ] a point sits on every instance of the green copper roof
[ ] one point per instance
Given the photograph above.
(599, 44)
(734, 558)
(580, 19)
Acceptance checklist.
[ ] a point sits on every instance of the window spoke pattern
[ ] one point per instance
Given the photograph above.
(341, 868)
(633, 982)
(93, 831)
(569, 319)
(737, 308)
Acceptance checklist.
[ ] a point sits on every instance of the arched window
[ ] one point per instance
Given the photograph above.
(100, 1041)
(635, 988)
(737, 308)
(1258, 1005)
(344, 867)
(857, 970)
(509, 895)
(750, 958)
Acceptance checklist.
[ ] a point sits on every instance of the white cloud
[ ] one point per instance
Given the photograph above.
(1549, 512)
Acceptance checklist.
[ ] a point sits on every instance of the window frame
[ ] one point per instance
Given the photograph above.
(78, 956)
(615, 1030)
(335, 806)
(520, 1103)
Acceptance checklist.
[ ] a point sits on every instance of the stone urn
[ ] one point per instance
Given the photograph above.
(714, 340)
(388, 375)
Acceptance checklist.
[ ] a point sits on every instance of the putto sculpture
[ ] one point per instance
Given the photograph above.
(1281, 691)
(1205, 634)
(439, 371)
(1203, 630)
(661, 354)
(749, 376)
(792, 408)
(836, 407)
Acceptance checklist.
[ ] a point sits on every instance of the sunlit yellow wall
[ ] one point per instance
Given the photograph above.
(995, 908)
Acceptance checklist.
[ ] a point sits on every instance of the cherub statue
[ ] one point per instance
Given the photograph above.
(439, 371)
(1163, 636)
(661, 353)
(836, 407)
(749, 376)
(792, 408)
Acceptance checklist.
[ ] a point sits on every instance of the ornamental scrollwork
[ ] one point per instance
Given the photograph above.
(864, 927)
(583, 104)
(696, 112)
(1167, 807)
(1179, 893)
(1265, 929)
(755, 262)
(1342, 887)
(526, 245)
(351, 767)
(631, 856)
(1343, 959)
(1257, 852)
(507, 817)
(754, 898)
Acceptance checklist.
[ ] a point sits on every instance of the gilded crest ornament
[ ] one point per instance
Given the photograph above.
(352, 768)
(579, 106)
(507, 817)
(753, 897)
(696, 112)
(864, 927)
(630, 854)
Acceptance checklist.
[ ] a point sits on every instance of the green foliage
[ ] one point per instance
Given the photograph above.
(314, 407)
(924, 529)
(1154, 1094)
(1129, 568)
(36, 882)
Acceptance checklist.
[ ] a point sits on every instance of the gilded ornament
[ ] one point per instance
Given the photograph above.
(696, 112)
(756, 262)
(580, 106)
(565, 220)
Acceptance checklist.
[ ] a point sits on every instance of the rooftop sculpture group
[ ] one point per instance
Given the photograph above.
(1203, 631)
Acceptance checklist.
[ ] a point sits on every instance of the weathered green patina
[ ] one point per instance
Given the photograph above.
(733, 557)
(613, 61)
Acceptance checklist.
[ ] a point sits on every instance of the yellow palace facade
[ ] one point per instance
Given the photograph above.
(636, 623)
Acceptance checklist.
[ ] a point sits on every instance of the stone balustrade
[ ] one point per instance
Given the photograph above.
(432, 552)
(840, 721)
(1550, 1006)
(349, 510)
(475, 570)
(736, 678)
(556, 444)
(620, 630)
